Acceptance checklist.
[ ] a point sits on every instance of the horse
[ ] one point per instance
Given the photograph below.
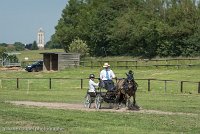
(125, 89)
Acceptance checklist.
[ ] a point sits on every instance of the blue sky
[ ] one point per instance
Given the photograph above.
(21, 19)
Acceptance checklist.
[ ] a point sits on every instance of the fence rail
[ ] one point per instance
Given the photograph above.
(190, 62)
(49, 83)
(173, 62)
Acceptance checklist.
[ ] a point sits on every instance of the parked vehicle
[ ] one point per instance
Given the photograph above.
(35, 67)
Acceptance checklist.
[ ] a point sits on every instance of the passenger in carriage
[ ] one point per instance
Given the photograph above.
(92, 85)
(106, 76)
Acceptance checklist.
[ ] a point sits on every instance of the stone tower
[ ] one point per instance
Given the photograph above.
(40, 38)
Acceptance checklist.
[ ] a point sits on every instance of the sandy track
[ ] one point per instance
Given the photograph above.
(56, 105)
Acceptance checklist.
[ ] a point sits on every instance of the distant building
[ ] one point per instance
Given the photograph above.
(40, 38)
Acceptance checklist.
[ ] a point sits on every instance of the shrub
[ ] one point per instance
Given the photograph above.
(78, 46)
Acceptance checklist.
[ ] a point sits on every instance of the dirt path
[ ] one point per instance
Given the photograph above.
(56, 105)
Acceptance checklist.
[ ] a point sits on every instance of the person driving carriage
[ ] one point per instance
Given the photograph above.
(106, 76)
(92, 85)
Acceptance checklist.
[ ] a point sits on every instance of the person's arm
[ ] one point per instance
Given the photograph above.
(112, 74)
(101, 75)
(95, 84)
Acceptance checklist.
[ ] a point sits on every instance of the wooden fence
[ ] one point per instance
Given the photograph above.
(174, 62)
(82, 83)
(144, 63)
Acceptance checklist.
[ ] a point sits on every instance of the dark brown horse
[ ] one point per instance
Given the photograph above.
(125, 89)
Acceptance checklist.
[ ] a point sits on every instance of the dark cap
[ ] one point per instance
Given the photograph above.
(91, 76)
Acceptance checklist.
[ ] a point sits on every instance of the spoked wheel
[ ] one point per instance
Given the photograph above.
(98, 102)
(87, 103)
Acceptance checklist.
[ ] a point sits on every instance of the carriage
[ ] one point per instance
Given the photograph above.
(104, 93)
(124, 89)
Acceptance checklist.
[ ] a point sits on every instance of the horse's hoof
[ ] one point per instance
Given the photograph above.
(136, 106)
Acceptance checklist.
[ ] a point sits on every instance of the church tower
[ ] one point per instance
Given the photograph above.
(40, 38)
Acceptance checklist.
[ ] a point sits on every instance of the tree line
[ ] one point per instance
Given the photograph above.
(17, 46)
(143, 28)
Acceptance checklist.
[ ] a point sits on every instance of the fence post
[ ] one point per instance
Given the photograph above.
(0, 83)
(126, 64)
(17, 83)
(136, 64)
(199, 88)
(165, 85)
(117, 64)
(181, 86)
(28, 87)
(81, 83)
(49, 83)
(149, 85)
(91, 64)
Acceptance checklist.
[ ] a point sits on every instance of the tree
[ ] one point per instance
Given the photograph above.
(78, 46)
(19, 46)
(66, 30)
(34, 46)
(52, 45)
(28, 46)
(145, 28)
(3, 44)
(2, 51)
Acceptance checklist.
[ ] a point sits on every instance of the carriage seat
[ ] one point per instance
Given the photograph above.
(107, 84)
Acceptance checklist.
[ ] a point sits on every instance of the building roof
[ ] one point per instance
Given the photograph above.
(60, 53)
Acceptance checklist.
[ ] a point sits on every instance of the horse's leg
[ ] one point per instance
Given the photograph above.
(134, 101)
(117, 101)
(128, 101)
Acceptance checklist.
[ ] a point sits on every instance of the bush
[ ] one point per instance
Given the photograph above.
(79, 46)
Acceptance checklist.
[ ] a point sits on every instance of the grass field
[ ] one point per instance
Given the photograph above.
(73, 121)
(179, 62)
(23, 119)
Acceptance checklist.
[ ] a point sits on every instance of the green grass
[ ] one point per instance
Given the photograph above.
(75, 75)
(75, 121)
(173, 74)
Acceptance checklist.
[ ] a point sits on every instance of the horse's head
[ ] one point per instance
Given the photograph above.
(129, 81)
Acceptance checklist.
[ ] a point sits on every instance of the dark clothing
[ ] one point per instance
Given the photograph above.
(107, 84)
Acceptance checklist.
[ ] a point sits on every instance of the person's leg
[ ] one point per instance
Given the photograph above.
(106, 84)
(102, 84)
(111, 86)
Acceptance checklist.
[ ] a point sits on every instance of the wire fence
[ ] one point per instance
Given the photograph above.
(145, 85)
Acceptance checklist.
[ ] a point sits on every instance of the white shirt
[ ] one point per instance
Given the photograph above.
(111, 74)
(92, 86)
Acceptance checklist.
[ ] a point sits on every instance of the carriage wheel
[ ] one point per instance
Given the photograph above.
(98, 102)
(87, 103)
